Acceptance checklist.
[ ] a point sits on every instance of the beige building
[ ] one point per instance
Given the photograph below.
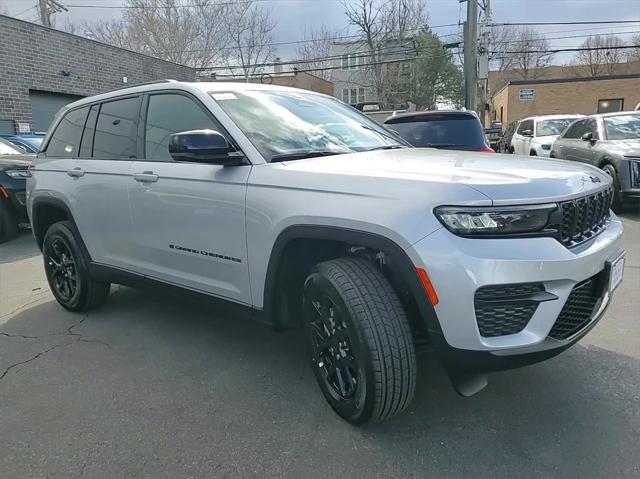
(587, 95)
(303, 80)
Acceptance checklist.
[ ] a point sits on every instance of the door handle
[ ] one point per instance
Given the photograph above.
(145, 177)
(75, 172)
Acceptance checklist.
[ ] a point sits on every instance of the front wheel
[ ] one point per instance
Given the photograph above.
(362, 351)
(616, 203)
(67, 270)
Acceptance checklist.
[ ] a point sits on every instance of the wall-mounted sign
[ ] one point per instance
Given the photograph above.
(527, 94)
(24, 128)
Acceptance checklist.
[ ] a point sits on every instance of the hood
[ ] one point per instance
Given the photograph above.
(544, 140)
(15, 161)
(622, 147)
(505, 179)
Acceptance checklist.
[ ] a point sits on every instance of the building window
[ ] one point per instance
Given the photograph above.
(606, 106)
(501, 111)
(353, 95)
(351, 61)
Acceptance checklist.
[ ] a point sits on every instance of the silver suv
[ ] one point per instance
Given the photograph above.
(304, 212)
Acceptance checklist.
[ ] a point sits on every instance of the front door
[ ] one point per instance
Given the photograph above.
(188, 218)
(521, 142)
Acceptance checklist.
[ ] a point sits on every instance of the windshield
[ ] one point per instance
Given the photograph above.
(622, 127)
(553, 127)
(283, 124)
(445, 131)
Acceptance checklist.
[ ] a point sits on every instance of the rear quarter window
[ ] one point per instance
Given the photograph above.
(65, 140)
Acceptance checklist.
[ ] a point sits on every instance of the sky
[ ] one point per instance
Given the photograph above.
(295, 17)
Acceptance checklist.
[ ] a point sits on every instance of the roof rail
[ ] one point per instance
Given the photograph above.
(164, 80)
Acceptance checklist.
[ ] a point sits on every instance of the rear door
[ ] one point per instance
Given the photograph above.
(188, 218)
(101, 174)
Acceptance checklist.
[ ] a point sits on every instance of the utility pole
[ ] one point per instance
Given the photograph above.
(47, 8)
(483, 59)
(471, 55)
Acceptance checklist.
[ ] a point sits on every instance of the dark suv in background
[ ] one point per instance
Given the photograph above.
(13, 177)
(449, 130)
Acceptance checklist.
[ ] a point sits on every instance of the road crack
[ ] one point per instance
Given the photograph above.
(69, 333)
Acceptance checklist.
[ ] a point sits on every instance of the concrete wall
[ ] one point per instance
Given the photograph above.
(562, 96)
(33, 57)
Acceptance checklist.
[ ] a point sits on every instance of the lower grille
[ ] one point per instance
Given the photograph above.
(581, 305)
(505, 309)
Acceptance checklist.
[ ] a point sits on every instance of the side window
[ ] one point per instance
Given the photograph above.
(116, 129)
(525, 125)
(575, 130)
(65, 141)
(592, 126)
(86, 146)
(168, 114)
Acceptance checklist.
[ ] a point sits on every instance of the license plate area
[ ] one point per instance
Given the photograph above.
(616, 271)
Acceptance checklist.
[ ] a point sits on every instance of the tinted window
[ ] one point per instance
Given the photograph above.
(169, 114)
(89, 129)
(65, 140)
(443, 131)
(591, 126)
(525, 125)
(116, 130)
(575, 130)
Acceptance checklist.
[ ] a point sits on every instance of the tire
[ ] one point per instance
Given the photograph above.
(616, 203)
(8, 223)
(372, 342)
(533, 153)
(66, 268)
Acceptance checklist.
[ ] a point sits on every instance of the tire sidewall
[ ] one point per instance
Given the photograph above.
(63, 232)
(611, 171)
(359, 409)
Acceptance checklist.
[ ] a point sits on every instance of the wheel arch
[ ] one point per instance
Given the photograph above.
(46, 211)
(398, 269)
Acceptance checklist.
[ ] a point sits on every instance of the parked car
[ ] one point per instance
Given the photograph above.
(610, 141)
(448, 130)
(505, 144)
(535, 135)
(375, 111)
(26, 143)
(493, 136)
(13, 175)
(378, 250)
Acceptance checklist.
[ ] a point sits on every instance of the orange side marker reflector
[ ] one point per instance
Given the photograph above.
(4, 192)
(428, 287)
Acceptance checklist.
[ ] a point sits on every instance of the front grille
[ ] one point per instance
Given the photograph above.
(581, 305)
(505, 309)
(634, 166)
(585, 217)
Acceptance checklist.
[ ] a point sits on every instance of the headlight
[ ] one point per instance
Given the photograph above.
(546, 147)
(18, 173)
(503, 220)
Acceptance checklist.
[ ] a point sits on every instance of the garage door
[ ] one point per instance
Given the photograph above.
(44, 106)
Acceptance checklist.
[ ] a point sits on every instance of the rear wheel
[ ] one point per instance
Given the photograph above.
(8, 223)
(67, 270)
(361, 345)
(610, 170)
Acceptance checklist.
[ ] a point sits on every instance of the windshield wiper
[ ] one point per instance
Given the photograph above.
(301, 155)
(386, 147)
(440, 145)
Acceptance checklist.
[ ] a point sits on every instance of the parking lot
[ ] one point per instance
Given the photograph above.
(155, 386)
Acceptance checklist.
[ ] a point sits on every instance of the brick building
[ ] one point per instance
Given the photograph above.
(42, 69)
(587, 95)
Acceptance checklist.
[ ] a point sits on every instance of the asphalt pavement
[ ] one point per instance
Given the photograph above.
(158, 387)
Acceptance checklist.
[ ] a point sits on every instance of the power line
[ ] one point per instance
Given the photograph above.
(599, 22)
(582, 49)
(184, 5)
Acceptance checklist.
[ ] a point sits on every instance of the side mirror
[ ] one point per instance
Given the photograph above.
(588, 136)
(527, 133)
(203, 146)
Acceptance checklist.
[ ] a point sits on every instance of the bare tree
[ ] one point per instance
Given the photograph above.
(633, 54)
(384, 29)
(317, 44)
(166, 29)
(248, 29)
(529, 53)
(602, 61)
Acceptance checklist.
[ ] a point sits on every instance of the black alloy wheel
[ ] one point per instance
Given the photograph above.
(61, 269)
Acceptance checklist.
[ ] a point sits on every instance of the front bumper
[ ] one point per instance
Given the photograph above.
(17, 203)
(459, 266)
